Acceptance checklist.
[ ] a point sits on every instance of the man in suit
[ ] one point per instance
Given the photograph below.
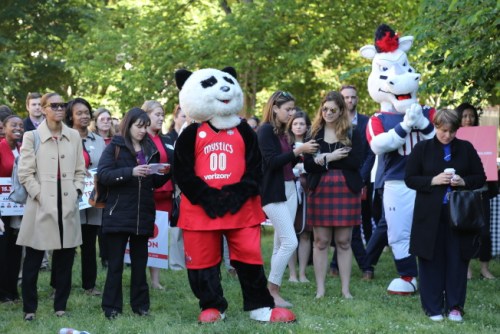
(34, 107)
(359, 122)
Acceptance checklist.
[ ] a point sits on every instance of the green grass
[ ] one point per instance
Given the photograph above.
(175, 309)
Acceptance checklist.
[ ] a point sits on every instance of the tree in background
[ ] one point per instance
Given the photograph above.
(459, 47)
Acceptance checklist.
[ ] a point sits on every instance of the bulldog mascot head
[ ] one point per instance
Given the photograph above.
(392, 132)
(217, 166)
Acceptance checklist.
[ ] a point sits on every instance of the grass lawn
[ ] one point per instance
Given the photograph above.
(175, 309)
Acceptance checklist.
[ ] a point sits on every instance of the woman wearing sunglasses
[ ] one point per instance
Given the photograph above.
(53, 176)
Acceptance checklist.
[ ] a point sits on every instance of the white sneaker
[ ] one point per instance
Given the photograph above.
(438, 317)
(455, 315)
(261, 314)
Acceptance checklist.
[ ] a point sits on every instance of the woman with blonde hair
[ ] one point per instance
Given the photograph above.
(163, 196)
(335, 183)
(102, 124)
(279, 195)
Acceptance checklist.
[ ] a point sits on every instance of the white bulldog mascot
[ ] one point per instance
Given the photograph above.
(217, 165)
(392, 133)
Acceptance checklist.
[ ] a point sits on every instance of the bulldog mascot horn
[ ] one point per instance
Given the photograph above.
(218, 169)
(392, 132)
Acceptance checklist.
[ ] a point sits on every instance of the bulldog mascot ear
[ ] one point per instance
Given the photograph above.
(392, 132)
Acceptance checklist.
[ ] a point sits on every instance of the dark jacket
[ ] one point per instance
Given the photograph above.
(350, 165)
(130, 207)
(368, 155)
(28, 124)
(426, 161)
(273, 161)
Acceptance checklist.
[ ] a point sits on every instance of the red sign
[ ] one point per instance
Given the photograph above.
(484, 139)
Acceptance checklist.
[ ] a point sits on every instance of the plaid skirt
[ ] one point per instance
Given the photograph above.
(332, 203)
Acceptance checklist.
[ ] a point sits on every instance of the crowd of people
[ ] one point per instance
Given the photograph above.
(316, 172)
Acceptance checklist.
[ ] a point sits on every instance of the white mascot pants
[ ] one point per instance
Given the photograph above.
(399, 201)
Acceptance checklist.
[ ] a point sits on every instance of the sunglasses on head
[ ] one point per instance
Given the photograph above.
(55, 106)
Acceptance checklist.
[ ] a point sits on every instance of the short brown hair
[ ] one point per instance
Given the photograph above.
(447, 117)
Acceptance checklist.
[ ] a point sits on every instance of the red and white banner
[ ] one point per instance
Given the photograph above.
(484, 140)
(8, 208)
(158, 244)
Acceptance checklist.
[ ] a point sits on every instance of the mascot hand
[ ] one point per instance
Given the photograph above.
(211, 202)
(422, 123)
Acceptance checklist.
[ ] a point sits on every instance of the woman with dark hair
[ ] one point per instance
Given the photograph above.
(53, 176)
(443, 253)
(334, 197)
(78, 116)
(129, 214)
(298, 129)
(10, 253)
(469, 116)
(279, 195)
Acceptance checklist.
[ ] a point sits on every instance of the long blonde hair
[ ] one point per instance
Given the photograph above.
(342, 125)
(277, 99)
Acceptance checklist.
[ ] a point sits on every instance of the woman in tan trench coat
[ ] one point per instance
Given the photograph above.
(53, 177)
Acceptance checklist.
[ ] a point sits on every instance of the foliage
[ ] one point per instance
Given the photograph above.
(119, 53)
(459, 43)
(175, 309)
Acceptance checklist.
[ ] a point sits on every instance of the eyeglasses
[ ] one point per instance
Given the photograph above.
(286, 95)
(332, 110)
(55, 106)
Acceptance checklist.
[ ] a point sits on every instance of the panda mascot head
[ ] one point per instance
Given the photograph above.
(211, 95)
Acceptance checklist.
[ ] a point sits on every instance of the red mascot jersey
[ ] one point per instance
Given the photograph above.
(219, 161)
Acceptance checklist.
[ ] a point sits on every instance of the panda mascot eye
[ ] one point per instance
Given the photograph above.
(229, 80)
(209, 82)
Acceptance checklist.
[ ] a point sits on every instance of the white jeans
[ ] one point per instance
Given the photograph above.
(282, 216)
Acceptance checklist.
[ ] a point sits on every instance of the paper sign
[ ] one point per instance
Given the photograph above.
(87, 189)
(484, 140)
(158, 244)
(8, 208)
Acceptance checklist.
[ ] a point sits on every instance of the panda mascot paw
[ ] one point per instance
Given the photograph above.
(403, 285)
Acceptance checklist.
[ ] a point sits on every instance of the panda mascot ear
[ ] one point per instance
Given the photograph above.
(231, 71)
(181, 76)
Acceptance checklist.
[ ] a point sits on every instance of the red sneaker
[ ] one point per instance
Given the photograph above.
(282, 315)
(211, 315)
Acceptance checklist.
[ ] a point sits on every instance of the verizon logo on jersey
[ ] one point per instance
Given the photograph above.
(217, 176)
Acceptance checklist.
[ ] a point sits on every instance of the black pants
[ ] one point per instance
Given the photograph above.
(10, 262)
(485, 248)
(88, 256)
(103, 252)
(112, 297)
(206, 286)
(443, 279)
(366, 212)
(62, 266)
(378, 241)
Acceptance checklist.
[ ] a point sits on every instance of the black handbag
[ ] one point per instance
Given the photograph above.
(466, 210)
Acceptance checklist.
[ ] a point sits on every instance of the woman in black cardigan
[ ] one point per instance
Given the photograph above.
(279, 195)
(443, 254)
(129, 214)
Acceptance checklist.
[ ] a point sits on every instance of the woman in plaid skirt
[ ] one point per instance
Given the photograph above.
(335, 183)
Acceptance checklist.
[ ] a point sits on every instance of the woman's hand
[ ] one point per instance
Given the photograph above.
(442, 178)
(338, 154)
(320, 159)
(309, 147)
(2, 226)
(457, 181)
(141, 170)
(165, 169)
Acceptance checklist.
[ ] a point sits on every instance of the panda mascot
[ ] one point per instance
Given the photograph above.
(392, 133)
(218, 170)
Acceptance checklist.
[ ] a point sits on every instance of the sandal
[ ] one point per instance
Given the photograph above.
(29, 316)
